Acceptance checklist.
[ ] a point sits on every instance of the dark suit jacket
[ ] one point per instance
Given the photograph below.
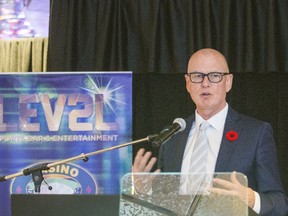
(253, 154)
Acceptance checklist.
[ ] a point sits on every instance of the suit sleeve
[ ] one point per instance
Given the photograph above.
(272, 196)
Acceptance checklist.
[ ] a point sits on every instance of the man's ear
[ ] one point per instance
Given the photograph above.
(187, 81)
(229, 82)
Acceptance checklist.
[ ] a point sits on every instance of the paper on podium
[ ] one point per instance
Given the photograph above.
(163, 194)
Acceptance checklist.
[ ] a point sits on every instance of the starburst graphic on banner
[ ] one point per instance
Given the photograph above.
(107, 89)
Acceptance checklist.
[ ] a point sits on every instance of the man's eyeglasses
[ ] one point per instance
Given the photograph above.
(213, 77)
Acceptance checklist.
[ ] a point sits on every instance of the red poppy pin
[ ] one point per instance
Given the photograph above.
(232, 135)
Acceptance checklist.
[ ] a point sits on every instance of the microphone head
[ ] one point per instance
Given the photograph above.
(181, 122)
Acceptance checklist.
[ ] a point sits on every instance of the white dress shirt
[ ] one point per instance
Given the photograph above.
(214, 134)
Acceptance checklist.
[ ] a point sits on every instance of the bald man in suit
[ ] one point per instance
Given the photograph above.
(250, 149)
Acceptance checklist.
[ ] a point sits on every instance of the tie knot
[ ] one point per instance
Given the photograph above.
(204, 125)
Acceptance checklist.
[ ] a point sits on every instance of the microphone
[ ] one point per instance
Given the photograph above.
(179, 124)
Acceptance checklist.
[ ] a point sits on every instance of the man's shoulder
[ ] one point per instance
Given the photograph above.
(237, 116)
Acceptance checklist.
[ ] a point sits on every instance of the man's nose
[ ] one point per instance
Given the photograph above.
(205, 82)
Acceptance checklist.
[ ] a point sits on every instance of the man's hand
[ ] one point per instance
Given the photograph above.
(234, 188)
(143, 163)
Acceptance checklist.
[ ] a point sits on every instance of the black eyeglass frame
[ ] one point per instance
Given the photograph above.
(204, 75)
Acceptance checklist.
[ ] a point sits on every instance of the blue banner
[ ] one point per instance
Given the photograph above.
(49, 117)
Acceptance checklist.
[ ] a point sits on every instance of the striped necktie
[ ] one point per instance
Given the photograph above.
(198, 160)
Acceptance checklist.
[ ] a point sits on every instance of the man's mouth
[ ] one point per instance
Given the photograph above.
(205, 94)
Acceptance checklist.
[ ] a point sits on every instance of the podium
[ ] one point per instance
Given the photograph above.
(165, 194)
(152, 194)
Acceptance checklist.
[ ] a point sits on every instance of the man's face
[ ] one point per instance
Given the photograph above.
(209, 97)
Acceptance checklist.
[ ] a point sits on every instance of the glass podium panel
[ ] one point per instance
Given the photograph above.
(178, 194)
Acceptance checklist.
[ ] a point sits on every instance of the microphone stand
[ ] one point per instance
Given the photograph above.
(36, 172)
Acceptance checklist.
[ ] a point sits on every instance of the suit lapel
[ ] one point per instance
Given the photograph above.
(227, 147)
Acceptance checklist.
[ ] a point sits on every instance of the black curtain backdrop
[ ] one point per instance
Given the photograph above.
(155, 38)
(158, 36)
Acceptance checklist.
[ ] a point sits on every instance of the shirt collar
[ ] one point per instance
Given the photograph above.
(217, 121)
